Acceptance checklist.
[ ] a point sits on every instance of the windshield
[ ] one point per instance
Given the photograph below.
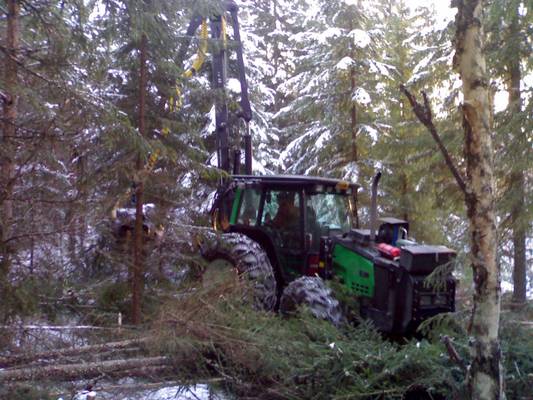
(329, 210)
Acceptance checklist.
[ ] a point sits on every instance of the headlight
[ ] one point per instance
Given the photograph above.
(441, 300)
(425, 300)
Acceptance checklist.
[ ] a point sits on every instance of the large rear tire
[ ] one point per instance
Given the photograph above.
(312, 293)
(249, 261)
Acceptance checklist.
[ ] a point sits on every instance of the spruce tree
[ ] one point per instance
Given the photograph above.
(507, 28)
(268, 31)
(417, 55)
(10, 100)
(332, 79)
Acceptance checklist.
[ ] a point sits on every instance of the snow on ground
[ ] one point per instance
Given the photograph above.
(194, 392)
(183, 393)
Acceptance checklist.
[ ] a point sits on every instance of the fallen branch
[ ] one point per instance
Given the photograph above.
(424, 115)
(65, 372)
(62, 327)
(452, 352)
(528, 324)
(9, 361)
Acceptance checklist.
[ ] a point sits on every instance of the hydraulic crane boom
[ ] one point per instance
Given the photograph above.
(219, 78)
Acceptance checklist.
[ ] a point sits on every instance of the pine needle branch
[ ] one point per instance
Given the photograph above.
(424, 115)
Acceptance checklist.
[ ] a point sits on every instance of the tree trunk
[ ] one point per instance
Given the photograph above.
(63, 372)
(517, 187)
(353, 115)
(7, 164)
(485, 373)
(353, 105)
(82, 195)
(404, 200)
(18, 359)
(138, 267)
(519, 239)
(75, 219)
(353, 125)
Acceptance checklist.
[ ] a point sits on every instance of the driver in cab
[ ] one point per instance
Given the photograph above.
(288, 213)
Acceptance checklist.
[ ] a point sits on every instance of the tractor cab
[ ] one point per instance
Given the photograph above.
(287, 215)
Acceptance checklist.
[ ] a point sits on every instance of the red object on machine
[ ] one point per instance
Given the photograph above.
(313, 264)
(388, 250)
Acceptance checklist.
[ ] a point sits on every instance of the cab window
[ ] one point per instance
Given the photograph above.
(282, 210)
(249, 207)
(329, 210)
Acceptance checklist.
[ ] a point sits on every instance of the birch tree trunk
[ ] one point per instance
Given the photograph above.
(7, 164)
(485, 373)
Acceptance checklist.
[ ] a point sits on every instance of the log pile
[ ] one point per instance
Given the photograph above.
(75, 363)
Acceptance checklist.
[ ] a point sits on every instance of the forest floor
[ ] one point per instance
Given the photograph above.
(208, 336)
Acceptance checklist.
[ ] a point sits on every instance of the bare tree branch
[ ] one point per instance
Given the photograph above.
(452, 352)
(423, 113)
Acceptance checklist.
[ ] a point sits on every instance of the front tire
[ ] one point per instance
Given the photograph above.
(249, 261)
(312, 293)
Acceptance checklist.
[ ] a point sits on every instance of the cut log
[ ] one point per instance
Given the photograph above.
(66, 372)
(62, 327)
(17, 359)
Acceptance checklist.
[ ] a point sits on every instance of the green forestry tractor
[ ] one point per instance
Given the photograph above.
(287, 235)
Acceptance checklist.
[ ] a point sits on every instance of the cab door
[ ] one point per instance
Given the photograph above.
(282, 220)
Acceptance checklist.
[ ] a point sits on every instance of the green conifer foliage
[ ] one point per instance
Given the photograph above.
(332, 78)
(417, 185)
(508, 26)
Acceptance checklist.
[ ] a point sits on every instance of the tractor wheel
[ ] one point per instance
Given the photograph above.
(313, 293)
(233, 254)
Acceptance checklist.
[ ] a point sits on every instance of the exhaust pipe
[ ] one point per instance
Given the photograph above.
(248, 151)
(374, 208)
(236, 161)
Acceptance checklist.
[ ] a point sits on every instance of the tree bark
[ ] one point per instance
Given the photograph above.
(353, 125)
(82, 195)
(353, 128)
(75, 218)
(517, 186)
(485, 373)
(7, 164)
(353, 115)
(138, 267)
